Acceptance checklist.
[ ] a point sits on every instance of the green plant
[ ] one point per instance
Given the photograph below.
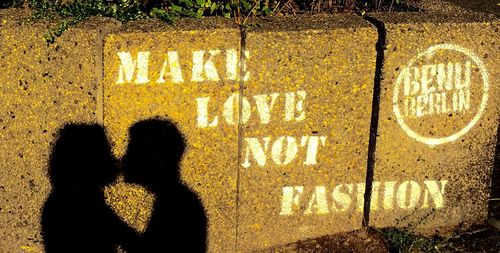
(379, 3)
(403, 241)
(71, 12)
(77, 10)
(10, 3)
(127, 10)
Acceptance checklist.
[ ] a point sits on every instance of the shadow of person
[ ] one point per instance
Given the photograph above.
(178, 222)
(75, 217)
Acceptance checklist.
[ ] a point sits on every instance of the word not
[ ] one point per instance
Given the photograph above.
(407, 195)
(203, 68)
(264, 103)
(283, 151)
(436, 89)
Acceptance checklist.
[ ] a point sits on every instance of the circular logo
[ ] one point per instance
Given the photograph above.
(440, 94)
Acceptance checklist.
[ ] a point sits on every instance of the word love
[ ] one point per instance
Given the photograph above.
(292, 104)
(390, 195)
(203, 68)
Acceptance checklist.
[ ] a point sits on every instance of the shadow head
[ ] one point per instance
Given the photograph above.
(81, 157)
(153, 154)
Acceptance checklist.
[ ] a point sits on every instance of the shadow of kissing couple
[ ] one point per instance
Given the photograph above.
(75, 216)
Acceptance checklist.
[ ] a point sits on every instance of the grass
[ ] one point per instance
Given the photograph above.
(400, 241)
(71, 12)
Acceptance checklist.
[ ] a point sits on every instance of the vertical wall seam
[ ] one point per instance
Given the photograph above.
(105, 29)
(242, 70)
(372, 143)
(100, 77)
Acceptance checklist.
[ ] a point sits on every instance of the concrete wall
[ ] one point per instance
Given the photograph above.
(436, 124)
(43, 88)
(286, 123)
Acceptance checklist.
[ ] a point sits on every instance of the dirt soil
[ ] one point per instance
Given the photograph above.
(482, 239)
(489, 6)
(364, 240)
(359, 241)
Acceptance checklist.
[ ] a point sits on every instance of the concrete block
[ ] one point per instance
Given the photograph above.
(43, 87)
(187, 73)
(438, 119)
(305, 125)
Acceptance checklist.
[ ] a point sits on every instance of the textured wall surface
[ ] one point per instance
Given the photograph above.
(317, 87)
(43, 87)
(441, 77)
(279, 120)
(175, 90)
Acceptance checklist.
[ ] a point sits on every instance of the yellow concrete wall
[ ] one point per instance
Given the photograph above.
(305, 86)
(318, 87)
(442, 151)
(209, 166)
(280, 62)
(43, 87)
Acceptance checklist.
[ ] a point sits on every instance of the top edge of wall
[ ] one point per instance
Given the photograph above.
(307, 22)
(422, 11)
(181, 24)
(434, 11)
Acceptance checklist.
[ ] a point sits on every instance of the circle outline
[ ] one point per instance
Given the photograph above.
(457, 135)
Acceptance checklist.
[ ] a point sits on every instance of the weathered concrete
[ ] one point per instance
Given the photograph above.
(191, 72)
(434, 158)
(294, 166)
(305, 132)
(43, 87)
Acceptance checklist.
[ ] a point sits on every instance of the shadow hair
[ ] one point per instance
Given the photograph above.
(75, 217)
(152, 160)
